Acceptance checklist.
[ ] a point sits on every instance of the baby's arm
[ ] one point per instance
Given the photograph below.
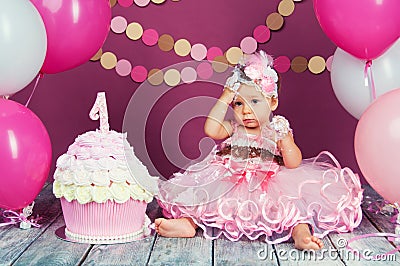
(215, 126)
(290, 151)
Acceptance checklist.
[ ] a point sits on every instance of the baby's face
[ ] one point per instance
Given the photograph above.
(251, 108)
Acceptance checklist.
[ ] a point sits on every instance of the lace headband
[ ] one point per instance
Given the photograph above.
(255, 70)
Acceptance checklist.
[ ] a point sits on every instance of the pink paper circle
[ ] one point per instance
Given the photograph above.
(328, 63)
(142, 3)
(139, 73)
(118, 24)
(150, 37)
(282, 64)
(213, 52)
(204, 70)
(188, 75)
(248, 45)
(261, 33)
(123, 67)
(198, 52)
(125, 3)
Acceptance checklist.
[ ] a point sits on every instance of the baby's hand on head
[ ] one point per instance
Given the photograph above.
(227, 95)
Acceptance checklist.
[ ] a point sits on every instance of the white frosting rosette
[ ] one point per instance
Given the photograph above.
(95, 169)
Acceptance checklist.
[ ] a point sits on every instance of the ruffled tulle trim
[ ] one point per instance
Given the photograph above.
(328, 199)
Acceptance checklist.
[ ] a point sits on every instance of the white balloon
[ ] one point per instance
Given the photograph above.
(348, 78)
(23, 45)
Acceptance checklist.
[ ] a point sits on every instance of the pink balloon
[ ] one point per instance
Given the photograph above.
(363, 28)
(377, 145)
(25, 152)
(76, 30)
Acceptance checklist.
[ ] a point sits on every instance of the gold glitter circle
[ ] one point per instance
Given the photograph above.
(316, 64)
(97, 56)
(182, 47)
(155, 77)
(299, 64)
(108, 60)
(286, 7)
(134, 31)
(220, 64)
(172, 77)
(158, 1)
(166, 42)
(274, 21)
(234, 54)
(113, 3)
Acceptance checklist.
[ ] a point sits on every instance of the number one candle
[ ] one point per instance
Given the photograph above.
(99, 110)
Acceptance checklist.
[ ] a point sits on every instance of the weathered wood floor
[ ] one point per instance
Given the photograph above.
(40, 246)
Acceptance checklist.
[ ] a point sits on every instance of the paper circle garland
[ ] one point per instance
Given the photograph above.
(155, 77)
(248, 45)
(188, 75)
(150, 37)
(139, 73)
(219, 60)
(134, 31)
(182, 47)
(233, 55)
(108, 60)
(172, 77)
(198, 52)
(213, 52)
(316, 64)
(123, 67)
(166, 42)
(118, 24)
(204, 70)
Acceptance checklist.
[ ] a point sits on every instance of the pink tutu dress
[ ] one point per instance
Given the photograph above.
(242, 189)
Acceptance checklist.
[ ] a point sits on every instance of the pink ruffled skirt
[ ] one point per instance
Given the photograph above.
(235, 200)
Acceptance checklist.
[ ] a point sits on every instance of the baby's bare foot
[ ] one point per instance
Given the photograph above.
(304, 240)
(182, 227)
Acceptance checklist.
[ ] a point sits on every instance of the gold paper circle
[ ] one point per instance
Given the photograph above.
(113, 3)
(97, 56)
(274, 21)
(108, 60)
(134, 31)
(166, 42)
(155, 77)
(172, 77)
(220, 64)
(286, 7)
(234, 54)
(182, 47)
(299, 64)
(316, 64)
(158, 1)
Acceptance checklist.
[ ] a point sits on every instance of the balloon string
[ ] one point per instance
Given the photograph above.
(369, 79)
(34, 88)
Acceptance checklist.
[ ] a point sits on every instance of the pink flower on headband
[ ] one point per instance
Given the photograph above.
(253, 72)
(268, 85)
(264, 76)
(258, 71)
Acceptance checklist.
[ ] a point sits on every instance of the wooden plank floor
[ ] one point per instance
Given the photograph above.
(40, 246)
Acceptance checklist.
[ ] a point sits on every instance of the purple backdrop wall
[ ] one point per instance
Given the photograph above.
(63, 100)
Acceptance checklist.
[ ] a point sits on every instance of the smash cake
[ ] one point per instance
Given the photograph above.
(97, 183)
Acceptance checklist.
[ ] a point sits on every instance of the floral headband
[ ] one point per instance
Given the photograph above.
(255, 70)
